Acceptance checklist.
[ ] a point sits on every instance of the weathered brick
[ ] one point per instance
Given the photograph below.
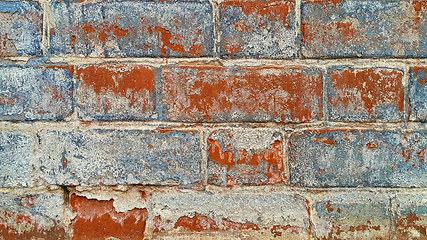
(31, 216)
(116, 92)
(418, 94)
(15, 158)
(132, 29)
(352, 215)
(253, 215)
(351, 158)
(365, 95)
(245, 157)
(20, 29)
(98, 219)
(219, 94)
(110, 157)
(355, 28)
(258, 29)
(35, 93)
(411, 216)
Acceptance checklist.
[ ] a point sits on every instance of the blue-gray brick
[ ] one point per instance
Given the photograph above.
(110, 157)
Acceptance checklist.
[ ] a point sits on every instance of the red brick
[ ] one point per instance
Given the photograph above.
(116, 92)
(97, 219)
(365, 94)
(219, 94)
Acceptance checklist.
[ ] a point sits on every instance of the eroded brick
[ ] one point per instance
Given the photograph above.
(98, 219)
(418, 94)
(219, 94)
(351, 158)
(132, 29)
(15, 160)
(359, 95)
(31, 216)
(20, 29)
(245, 157)
(354, 28)
(110, 157)
(35, 93)
(352, 215)
(116, 92)
(411, 215)
(259, 29)
(260, 215)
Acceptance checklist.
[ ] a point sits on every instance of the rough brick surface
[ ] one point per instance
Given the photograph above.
(259, 215)
(15, 158)
(132, 29)
(116, 92)
(418, 94)
(352, 215)
(258, 29)
(245, 157)
(98, 219)
(351, 158)
(20, 30)
(31, 216)
(35, 93)
(354, 28)
(110, 157)
(218, 94)
(411, 216)
(365, 95)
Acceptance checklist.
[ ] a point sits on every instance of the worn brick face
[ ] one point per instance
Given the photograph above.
(352, 215)
(219, 94)
(132, 29)
(116, 92)
(418, 94)
(258, 29)
(365, 95)
(20, 29)
(15, 159)
(256, 215)
(245, 157)
(111, 157)
(411, 216)
(31, 216)
(351, 158)
(35, 93)
(97, 219)
(353, 28)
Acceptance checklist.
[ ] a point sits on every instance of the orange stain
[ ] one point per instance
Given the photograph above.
(372, 145)
(98, 219)
(325, 140)
(376, 88)
(197, 223)
(165, 37)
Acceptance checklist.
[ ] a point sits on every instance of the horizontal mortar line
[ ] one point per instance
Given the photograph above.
(385, 62)
(219, 189)
(403, 126)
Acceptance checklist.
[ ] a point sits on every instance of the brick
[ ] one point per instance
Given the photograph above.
(232, 215)
(98, 219)
(20, 31)
(31, 216)
(219, 94)
(132, 29)
(116, 92)
(245, 157)
(418, 94)
(365, 95)
(351, 158)
(411, 215)
(35, 93)
(111, 157)
(258, 29)
(352, 215)
(354, 28)
(15, 158)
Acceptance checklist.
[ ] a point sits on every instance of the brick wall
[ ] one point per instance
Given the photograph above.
(293, 119)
